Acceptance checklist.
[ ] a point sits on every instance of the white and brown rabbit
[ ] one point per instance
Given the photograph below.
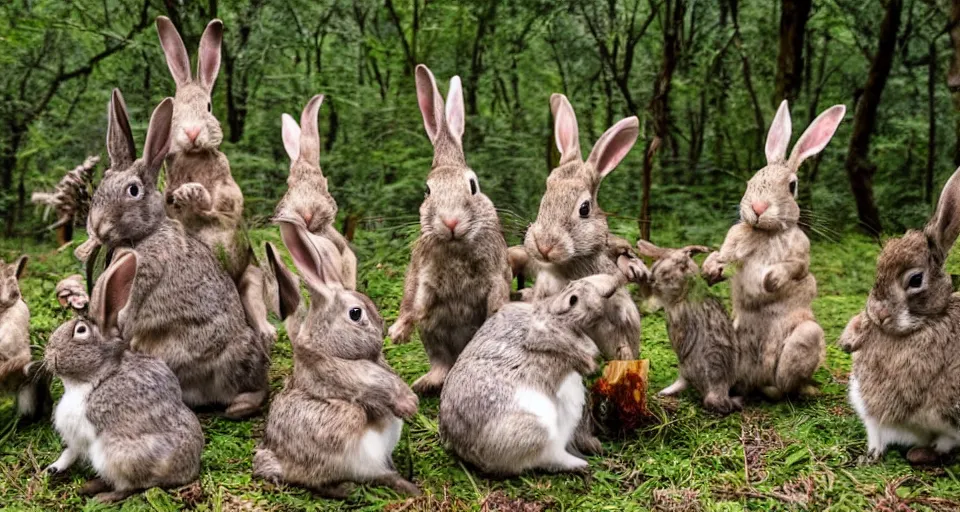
(570, 240)
(121, 411)
(307, 204)
(514, 400)
(772, 289)
(905, 383)
(340, 414)
(184, 308)
(458, 274)
(200, 191)
(701, 332)
(17, 374)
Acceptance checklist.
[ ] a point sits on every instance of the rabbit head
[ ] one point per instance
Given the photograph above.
(912, 284)
(570, 223)
(85, 349)
(9, 281)
(351, 315)
(308, 201)
(127, 205)
(770, 202)
(454, 207)
(580, 305)
(672, 269)
(194, 126)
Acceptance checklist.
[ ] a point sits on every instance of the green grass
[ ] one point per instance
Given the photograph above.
(773, 456)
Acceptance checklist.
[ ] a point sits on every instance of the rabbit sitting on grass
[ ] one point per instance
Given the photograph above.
(17, 374)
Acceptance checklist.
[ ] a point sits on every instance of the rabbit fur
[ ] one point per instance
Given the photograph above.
(17, 373)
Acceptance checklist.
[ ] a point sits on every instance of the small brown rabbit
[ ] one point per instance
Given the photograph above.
(700, 329)
(458, 274)
(307, 202)
(905, 383)
(773, 288)
(570, 239)
(17, 374)
(184, 308)
(121, 411)
(515, 399)
(201, 193)
(340, 414)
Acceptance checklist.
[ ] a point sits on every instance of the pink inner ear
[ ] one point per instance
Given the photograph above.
(567, 131)
(816, 137)
(427, 99)
(174, 50)
(291, 136)
(209, 54)
(614, 145)
(455, 111)
(778, 138)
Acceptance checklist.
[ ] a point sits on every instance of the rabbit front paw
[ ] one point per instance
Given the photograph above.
(713, 269)
(192, 196)
(400, 330)
(633, 268)
(407, 405)
(774, 279)
(850, 338)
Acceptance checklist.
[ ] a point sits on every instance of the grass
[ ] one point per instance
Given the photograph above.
(792, 455)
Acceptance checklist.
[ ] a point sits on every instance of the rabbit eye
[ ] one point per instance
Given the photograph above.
(133, 189)
(793, 188)
(209, 107)
(473, 186)
(426, 193)
(916, 280)
(573, 300)
(585, 209)
(80, 330)
(355, 314)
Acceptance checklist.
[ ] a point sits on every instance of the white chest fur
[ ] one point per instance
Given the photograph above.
(560, 414)
(70, 419)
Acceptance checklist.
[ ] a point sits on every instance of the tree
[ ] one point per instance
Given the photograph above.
(793, 26)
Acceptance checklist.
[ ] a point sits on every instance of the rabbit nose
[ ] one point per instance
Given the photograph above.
(759, 207)
(192, 133)
(451, 224)
(307, 217)
(544, 249)
(882, 313)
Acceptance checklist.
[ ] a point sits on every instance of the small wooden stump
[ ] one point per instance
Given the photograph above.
(620, 395)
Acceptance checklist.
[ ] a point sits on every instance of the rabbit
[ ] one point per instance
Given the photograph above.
(458, 274)
(307, 202)
(184, 308)
(17, 373)
(200, 191)
(773, 288)
(905, 379)
(122, 411)
(515, 398)
(570, 240)
(699, 327)
(342, 392)
(71, 292)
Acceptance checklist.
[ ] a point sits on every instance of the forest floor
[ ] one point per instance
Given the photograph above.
(793, 455)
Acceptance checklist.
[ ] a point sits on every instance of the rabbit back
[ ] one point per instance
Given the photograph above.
(703, 338)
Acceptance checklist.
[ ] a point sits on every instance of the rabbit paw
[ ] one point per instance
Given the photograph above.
(850, 338)
(192, 196)
(633, 268)
(406, 406)
(774, 279)
(400, 330)
(713, 269)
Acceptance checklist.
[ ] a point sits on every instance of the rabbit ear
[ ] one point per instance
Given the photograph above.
(645, 248)
(208, 58)
(158, 139)
(175, 51)
(431, 104)
(565, 128)
(288, 285)
(120, 146)
(310, 133)
(315, 257)
(779, 135)
(112, 291)
(943, 228)
(606, 284)
(817, 135)
(613, 145)
(291, 136)
(455, 113)
(695, 249)
(19, 265)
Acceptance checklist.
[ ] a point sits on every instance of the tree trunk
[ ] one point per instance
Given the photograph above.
(485, 24)
(932, 124)
(793, 26)
(953, 77)
(858, 166)
(647, 178)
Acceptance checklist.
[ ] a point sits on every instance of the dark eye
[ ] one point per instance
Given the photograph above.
(355, 314)
(209, 107)
(573, 300)
(133, 189)
(80, 330)
(473, 186)
(585, 209)
(427, 192)
(793, 187)
(916, 280)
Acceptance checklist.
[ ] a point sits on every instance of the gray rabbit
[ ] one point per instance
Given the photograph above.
(121, 411)
(17, 373)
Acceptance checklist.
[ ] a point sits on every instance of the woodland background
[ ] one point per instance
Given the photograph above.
(704, 77)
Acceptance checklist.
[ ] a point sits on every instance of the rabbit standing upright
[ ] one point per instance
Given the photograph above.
(905, 383)
(307, 204)
(183, 308)
(570, 240)
(342, 393)
(200, 191)
(773, 288)
(121, 411)
(515, 399)
(458, 274)
(17, 374)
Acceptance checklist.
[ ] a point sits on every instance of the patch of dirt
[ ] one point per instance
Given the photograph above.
(191, 495)
(676, 500)
(892, 501)
(800, 492)
(757, 440)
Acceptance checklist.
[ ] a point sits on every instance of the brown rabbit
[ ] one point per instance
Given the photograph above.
(17, 374)
(458, 274)
(201, 192)
(905, 383)
(570, 239)
(773, 287)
